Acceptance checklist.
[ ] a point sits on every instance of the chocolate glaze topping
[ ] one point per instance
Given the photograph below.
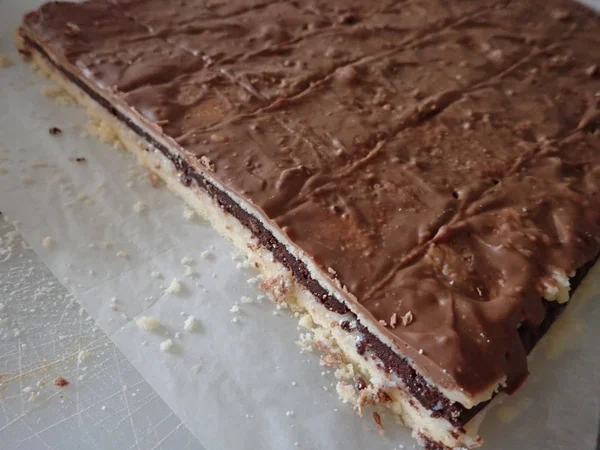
(440, 160)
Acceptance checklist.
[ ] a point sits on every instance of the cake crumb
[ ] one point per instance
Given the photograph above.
(26, 179)
(246, 300)
(206, 162)
(139, 207)
(407, 319)
(5, 61)
(289, 413)
(61, 382)
(54, 131)
(196, 369)
(234, 309)
(155, 274)
(122, 254)
(306, 321)
(58, 94)
(189, 271)
(188, 214)
(206, 254)
(377, 420)
(147, 323)
(234, 320)
(190, 324)
(166, 345)
(393, 320)
(305, 342)
(48, 242)
(187, 261)
(154, 179)
(175, 287)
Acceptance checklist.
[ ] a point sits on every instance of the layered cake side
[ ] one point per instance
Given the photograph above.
(419, 179)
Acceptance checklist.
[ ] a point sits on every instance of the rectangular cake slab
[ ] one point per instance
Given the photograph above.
(417, 179)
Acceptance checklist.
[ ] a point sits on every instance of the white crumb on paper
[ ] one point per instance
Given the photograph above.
(289, 413)
(346, 392)
(139, 207)
(190, 324)
(196, 369)
(206, 254)
(166, 345)
(175, 287)
(5, 61)
(58, 94)
(155, 274)
(48, 242)
(189, 271)
(306, 321)
(189, 214)
(246, 300)
(187, 261)
(234, 309)
(147, 323)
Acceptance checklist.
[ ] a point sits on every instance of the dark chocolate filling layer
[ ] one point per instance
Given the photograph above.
(430, 397)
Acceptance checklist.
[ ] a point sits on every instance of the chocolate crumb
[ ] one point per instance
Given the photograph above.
(360, 383)
(206, 162)
(345, 325)
(61, 382)
(407, 319)
(346, 75)
(560, 14)
(361, 346)
(54, 131)
(592, 71)
(80, 159)
(377, 420)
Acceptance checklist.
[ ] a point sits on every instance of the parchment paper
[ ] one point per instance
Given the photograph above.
(230, 383)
